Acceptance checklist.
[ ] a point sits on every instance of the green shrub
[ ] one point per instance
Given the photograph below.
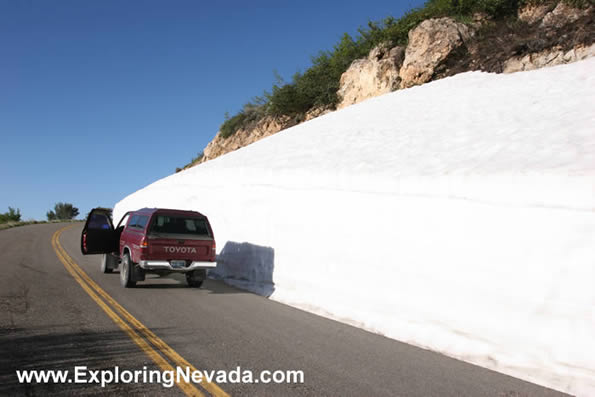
(318, 85)
(11, 216)
(231, 125)
(62, 211)
(250, 113)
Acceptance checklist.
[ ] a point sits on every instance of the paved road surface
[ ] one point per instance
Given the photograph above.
(49, 321)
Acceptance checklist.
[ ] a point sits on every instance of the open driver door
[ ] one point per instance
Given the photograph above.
(99, 236)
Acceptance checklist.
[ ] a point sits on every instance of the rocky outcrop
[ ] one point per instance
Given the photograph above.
(563, 14)
(532, 13)
(243, 137)
(552, 14)
(429, 44)
(372, 76)
(255, 132)
(553, 20)
(506, 47)
(316, 112)
(551, 57)
(480, 19)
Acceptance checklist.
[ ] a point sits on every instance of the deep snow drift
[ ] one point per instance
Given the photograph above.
(458, 216)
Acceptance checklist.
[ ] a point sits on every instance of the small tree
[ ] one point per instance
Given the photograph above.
(11, 216)
(51, 215)
(14, 215)
(62, 211)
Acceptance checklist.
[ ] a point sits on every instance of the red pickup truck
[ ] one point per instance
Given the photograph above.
(151, 240)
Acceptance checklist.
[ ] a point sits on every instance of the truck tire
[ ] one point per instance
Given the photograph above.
(126, 272)
(195, 278)
(108, 263)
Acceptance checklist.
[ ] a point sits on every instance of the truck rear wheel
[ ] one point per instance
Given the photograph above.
(195, 278)
(108, 263)
(126, 272)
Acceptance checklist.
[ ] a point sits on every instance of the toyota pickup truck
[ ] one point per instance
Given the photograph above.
(151, 240)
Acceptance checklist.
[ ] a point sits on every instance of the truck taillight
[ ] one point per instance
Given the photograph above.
(144, 243)
(213, 248)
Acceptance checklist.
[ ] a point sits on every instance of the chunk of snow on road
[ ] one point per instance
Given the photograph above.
(458, 216)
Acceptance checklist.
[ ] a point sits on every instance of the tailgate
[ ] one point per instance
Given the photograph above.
(181, 249)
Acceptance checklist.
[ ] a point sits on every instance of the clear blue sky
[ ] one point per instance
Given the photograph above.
(100, 98)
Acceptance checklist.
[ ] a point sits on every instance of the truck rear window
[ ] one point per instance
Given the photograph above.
(168, 224)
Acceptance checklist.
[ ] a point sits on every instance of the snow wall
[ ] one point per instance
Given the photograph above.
(457, 216)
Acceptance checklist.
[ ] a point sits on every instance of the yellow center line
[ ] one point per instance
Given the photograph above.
(139, 341)
(93, 290)
(211, 387)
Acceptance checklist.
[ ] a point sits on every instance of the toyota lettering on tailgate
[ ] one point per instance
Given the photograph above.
(182, 250)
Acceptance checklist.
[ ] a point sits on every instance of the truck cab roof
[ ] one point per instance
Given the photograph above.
(151, 211)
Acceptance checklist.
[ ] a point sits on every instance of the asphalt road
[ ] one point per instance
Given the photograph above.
(49, 321)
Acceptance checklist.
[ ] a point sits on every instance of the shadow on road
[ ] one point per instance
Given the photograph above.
(178, 281)
(240, 267)
(45, 349)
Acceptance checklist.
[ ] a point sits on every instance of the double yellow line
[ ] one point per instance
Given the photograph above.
(144, 338)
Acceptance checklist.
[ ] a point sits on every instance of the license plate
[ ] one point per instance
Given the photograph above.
(178, 264)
